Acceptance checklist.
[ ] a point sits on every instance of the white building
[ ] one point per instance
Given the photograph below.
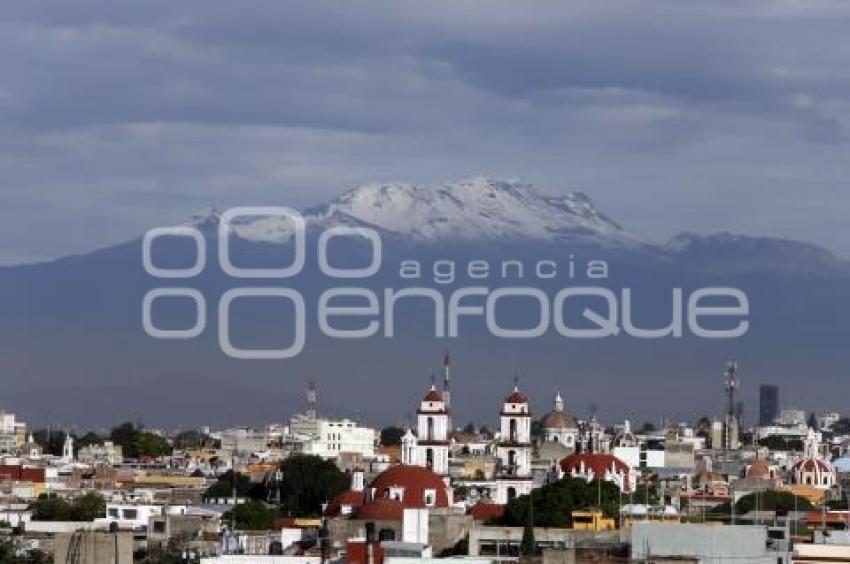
(12, 433)
(135, 515)
(330, 437)
(243, 441)
(106, 454)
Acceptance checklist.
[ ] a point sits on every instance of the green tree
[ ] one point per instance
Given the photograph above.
(252, 516)
(125, 435)
(50, 507)
(391, 436)
(223, 487)
(135, 443)
(554, 503)
(50, 441)
(191, 439)
(152, 445)
(766, 501)
(308, 482)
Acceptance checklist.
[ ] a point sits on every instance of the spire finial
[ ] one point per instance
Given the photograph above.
(516, 381)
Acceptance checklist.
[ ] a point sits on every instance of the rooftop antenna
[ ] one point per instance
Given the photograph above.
(312, 399)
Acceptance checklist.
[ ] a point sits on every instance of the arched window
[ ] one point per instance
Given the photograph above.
(512, 432)
(429, 458)
(511, 493)
(430, 428)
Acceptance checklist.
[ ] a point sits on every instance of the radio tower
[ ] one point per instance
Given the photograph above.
(447, 368)
(312, 397)
(730, 384)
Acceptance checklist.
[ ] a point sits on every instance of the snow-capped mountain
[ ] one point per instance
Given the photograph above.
(477, 209)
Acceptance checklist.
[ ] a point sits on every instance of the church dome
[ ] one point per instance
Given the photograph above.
(403, 487)
(758, 469)
(516, 397)
(558, 420)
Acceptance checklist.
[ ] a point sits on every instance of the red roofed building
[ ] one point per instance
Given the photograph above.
(602, 466)
(349, 501)
(408, 487)
(18, 473)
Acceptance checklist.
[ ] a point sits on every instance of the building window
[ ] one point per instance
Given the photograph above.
(430, 496)
(130, 514)
(513, 433)
(429, 458)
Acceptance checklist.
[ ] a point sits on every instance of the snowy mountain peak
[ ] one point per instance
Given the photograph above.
(480, 208)
(475, 209)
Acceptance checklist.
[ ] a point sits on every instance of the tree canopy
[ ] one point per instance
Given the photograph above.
(766, 501)
(53, 508)
(223, 487)
(554, 503)
(252, 516)
(391, 436)
(307, 483)
(136, 442)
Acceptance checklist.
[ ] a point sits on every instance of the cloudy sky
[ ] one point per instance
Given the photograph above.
(115, 117)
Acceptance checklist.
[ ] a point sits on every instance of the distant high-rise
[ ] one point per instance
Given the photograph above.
(768, 404)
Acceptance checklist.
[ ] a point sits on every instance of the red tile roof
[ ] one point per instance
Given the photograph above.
(18, 473)
(599, 463)
(482, 511)
(351, 498)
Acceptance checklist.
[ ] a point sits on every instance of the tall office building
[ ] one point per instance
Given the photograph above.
(768, 404)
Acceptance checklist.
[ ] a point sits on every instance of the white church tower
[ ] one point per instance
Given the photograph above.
(514, 448)
(68, 450)
(432, 437)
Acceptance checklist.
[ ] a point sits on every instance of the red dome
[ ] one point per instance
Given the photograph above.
(433, 395)
(410, 484)
(810, 465)
(599, 464)
(382, 509)
(516, 397)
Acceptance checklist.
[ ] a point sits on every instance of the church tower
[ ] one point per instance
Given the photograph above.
(432, 437)
(514, 448)
(68, 450)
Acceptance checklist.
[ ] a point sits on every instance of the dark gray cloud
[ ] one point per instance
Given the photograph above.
(700, 116)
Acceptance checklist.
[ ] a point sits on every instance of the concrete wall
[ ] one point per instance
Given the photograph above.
(709, 544)
(93, 547)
